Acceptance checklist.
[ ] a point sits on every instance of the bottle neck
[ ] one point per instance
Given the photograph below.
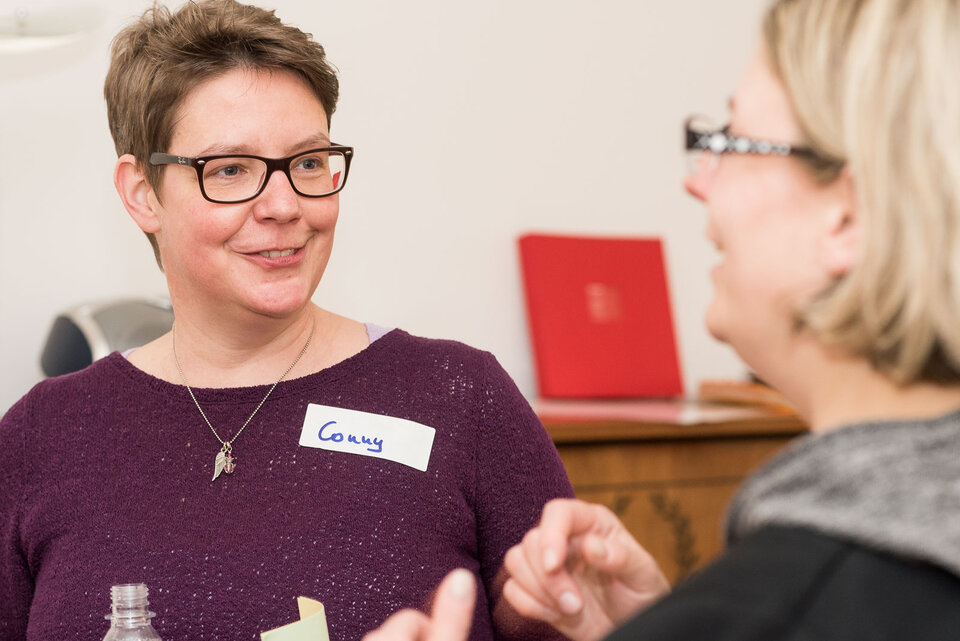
(129, 607)
(138, 620)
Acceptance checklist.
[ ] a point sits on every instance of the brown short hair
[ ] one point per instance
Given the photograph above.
(871, 83)
(157, 60)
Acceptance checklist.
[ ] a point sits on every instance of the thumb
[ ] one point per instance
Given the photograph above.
(629, 562)
(452, 612)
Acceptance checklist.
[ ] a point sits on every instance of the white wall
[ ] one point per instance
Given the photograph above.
(431, 89)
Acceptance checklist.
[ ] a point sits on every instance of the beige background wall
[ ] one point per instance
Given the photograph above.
(433, 91)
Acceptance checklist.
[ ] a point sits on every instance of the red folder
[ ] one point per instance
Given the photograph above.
(599, 317)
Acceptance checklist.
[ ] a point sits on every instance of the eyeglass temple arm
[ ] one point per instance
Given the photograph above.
(157, 158)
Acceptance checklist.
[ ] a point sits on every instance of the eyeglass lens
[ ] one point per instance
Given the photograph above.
(316, 173)
(703, 140)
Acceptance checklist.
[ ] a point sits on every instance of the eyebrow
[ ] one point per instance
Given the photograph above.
(219, 148)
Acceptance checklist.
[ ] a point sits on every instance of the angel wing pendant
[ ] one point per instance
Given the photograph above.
(218, 464)
(223, 463)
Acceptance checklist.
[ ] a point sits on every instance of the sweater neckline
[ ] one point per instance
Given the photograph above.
(177, 392)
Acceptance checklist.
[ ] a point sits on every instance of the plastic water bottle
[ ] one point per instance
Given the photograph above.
(129, 617)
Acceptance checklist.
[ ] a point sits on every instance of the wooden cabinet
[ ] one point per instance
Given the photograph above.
(667, 469)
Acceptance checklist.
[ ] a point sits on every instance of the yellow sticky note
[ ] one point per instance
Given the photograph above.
(312, 625)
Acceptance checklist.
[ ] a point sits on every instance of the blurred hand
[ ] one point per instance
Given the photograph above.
(449, 620)
(581, 571)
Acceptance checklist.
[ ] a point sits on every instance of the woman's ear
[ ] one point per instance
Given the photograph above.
(842, 241)
(136, 193)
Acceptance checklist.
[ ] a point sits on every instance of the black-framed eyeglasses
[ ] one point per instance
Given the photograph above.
(237, 178)
(702, 137)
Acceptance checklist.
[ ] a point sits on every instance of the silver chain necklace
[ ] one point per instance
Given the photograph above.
(224, 461)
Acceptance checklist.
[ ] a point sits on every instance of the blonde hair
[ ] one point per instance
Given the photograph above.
(156, 61)
(872, 84)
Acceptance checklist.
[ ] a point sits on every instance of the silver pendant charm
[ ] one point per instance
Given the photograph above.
(219, 463)
(224, 462)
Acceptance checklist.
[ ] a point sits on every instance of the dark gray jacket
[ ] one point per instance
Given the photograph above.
(853, 535)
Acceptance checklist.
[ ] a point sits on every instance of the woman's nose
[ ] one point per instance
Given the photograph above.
(278, 201)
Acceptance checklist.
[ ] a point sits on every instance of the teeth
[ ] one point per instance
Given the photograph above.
(277, 254)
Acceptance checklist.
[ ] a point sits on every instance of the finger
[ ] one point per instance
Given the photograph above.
(555, 523)
(452, 612)
(526, 604)
(405, 625)
(603, 554)
(524, 579)
(555, 590)
(525, 561)
(566, 519)
(623, 558)
(528, 556)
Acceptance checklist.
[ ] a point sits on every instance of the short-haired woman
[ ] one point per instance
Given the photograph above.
(265, 448)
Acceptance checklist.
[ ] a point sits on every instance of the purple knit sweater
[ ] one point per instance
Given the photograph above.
(105, 479)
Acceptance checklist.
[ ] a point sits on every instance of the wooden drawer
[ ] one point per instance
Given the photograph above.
(600, 464)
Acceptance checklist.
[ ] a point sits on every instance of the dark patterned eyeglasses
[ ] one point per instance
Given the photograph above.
(701, 137)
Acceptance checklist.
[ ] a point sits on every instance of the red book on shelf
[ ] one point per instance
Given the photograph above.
(599, 316)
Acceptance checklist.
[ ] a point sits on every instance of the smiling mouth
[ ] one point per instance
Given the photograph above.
(277, 253)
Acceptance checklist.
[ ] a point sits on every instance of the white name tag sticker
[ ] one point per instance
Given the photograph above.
(354, 432)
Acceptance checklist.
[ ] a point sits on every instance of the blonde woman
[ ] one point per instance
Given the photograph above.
(834, 196)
